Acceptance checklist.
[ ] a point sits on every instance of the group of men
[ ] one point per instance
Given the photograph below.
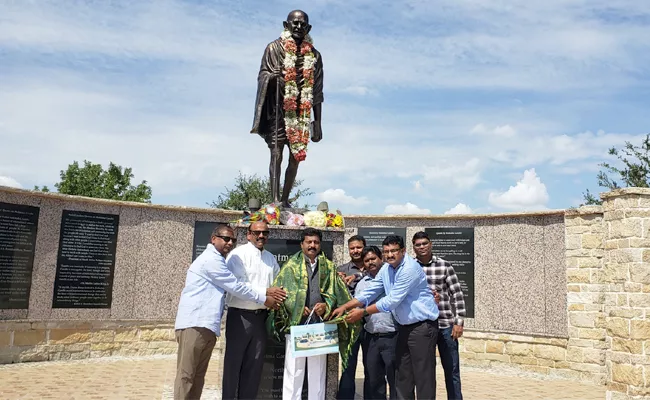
(398, 309)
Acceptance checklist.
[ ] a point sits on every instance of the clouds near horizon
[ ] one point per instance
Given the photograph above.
(500, 107)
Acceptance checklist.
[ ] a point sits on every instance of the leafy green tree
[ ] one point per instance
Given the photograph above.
(634, 173)
(92, 180)
(255, 187)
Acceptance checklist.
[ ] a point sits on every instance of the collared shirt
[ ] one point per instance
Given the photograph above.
(380, 322)
(203, 297)
(408, 296)
(348, 269)
(442, 278)
(256, 268)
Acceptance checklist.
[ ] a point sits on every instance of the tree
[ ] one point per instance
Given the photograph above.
(254, 187)
(92, 180)
(636, 173)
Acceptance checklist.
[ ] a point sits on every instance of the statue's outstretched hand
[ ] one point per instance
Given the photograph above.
(316, 132)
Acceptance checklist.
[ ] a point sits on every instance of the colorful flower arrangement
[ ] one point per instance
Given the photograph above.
(274, 215)
(297, 117)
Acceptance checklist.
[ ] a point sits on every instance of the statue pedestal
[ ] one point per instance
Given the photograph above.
(284, 241)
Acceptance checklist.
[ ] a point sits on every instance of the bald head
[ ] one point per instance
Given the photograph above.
(258, 234)
(298, 24)
(297, 13)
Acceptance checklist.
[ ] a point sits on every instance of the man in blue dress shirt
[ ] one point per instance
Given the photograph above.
(409, 299)
(198, 320)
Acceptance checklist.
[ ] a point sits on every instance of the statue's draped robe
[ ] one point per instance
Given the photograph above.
(266, 106)
(293, 277)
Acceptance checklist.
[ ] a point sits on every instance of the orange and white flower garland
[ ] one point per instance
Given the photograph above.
(297, 118)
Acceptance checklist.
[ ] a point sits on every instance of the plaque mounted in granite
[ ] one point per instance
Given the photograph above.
(202, 235)
(86, 261)
(456, 245)
(375, 235)
(18, 227)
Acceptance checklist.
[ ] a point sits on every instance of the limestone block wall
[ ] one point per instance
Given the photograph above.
(25, 341)
(626, 274)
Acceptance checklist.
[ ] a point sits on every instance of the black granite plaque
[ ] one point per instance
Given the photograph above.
(86, 261)
(202, 235)
(375, 235)
(456, 245)
(18, 226)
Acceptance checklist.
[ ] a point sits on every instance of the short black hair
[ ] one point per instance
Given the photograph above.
(421, 235)
(393, 239)
(311, 232)
(357, 238)
(371, 249)
(220, 229)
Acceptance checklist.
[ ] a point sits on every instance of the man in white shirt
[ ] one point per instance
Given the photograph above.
(245, 324)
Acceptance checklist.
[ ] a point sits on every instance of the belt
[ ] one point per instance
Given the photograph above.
(382, 334)
(243, 310)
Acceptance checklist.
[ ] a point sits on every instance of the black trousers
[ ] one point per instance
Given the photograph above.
(379, 365)
(244, 355)
(415, 355)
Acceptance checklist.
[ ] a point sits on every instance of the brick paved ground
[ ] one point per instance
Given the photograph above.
(152, 378)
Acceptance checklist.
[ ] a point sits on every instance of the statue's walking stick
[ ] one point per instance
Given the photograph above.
(276, 178)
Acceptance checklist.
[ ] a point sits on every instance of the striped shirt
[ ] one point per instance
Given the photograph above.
(442, 278)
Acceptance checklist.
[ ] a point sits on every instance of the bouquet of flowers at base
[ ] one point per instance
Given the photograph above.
(269, 213)
(315, 219)
(335, 220)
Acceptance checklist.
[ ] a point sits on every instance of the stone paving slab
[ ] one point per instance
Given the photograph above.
(152, 378)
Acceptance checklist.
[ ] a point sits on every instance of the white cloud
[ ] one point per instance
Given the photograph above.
(360, 90)
(462, 175)
(405, 209)
(11, 182)
(459, 208)
(528, 194)
(338, 196)
(105, 80)
(502, 130)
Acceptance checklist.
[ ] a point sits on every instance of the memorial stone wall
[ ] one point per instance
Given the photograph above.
(561, 293)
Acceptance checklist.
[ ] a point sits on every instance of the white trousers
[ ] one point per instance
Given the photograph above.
(294, 375)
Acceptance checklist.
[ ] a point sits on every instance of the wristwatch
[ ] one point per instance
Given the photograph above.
(365, 312)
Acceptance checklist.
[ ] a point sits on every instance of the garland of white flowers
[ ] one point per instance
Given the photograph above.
(297, 118)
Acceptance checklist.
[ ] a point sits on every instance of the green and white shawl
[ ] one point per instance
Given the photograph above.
(293, 278)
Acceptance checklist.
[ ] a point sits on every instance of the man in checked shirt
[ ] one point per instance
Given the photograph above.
(442, 280)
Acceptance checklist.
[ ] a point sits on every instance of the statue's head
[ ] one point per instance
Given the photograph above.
(298, 24)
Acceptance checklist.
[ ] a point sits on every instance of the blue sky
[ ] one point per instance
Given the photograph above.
(430, 106)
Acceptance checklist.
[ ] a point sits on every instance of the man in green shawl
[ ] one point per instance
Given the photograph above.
(313, 290)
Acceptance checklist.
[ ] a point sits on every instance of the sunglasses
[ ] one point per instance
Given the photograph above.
(257, 233)
(228, 239)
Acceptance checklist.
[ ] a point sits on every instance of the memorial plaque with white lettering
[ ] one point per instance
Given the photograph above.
(86, 261)
(18, 226)
(456, 245)
(375, 235)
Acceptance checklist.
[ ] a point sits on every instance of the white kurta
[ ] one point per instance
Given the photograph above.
(294, 375)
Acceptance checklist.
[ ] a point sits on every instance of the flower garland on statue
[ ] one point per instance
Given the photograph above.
(297, 118)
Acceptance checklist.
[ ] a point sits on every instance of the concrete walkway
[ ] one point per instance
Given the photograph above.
(152, 378)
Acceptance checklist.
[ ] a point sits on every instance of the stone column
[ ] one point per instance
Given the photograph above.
(586, 347)
(626, 274)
